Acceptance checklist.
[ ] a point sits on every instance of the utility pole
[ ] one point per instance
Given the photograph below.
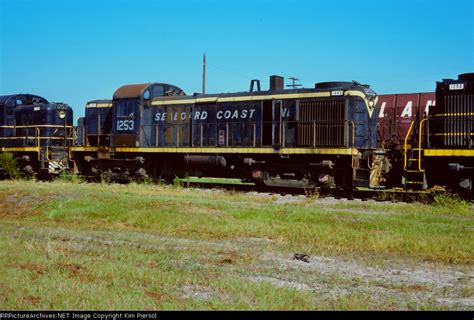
(204, 74)
(294, 85)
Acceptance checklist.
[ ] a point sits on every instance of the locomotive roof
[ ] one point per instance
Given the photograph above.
(44, 106)
(4, 99)
(362, 91)
(136, 90)
(365, 90)
(99, 103)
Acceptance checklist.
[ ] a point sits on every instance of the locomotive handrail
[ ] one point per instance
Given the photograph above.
(419, 144)
(405, 146)
(353, 133)
(38, 126)
(36, 138)
(38, 133)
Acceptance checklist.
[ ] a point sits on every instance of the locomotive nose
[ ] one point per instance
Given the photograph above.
(61, 110)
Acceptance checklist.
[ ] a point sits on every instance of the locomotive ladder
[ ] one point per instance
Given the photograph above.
(414, 174)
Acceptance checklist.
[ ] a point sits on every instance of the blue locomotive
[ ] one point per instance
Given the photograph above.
(37, 132)
(323, 136)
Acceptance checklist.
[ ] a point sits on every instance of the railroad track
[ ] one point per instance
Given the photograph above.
(395, 195)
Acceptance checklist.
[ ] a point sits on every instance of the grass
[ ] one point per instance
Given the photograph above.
(8, 164)
(68, 245)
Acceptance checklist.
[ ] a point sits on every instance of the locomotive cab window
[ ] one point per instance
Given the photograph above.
(173, 91)
(126, 108)
(158, 91)
(37, 100)
(10, 108)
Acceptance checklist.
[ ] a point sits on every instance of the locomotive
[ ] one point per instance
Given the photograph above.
(442, 143)
(38, 133)
(335, 135)
(324, 136)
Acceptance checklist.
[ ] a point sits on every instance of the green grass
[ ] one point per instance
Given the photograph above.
(9, 165)
(96, 246)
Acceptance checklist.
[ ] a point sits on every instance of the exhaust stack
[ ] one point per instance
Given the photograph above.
(276, 83)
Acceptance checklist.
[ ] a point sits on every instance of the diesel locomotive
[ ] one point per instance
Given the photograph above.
(324, 136)
(335, 135)
(440, 148)
(38, 133)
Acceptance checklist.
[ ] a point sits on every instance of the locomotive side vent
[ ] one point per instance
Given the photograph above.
(458, 122)
(321, 124)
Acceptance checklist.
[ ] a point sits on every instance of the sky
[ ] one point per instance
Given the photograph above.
(77, 51)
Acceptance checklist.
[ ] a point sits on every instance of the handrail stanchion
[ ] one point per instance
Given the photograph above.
(405, 146)
(419, 145)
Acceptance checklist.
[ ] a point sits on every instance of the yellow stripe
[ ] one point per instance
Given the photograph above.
(84, 149)
(282, 96)
(452, 134)
(99, 105)
(35, 138)
(37, 126)
(18, 149)
(449, 152)
(454, 114)
(256, 97)
(343, 151)
(269, 150)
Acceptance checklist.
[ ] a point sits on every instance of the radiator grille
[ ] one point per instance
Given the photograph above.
(458, 121)
(321, 124)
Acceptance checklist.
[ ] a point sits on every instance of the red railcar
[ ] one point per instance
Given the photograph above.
(396, 112)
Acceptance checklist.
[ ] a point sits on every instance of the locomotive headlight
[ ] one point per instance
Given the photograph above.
(62, 114)
(371, 102)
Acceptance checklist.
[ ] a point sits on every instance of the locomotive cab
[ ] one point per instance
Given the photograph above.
(129, 108)
(8, 105)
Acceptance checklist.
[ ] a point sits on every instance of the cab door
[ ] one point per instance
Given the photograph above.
(126, 126)
(272, 123)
